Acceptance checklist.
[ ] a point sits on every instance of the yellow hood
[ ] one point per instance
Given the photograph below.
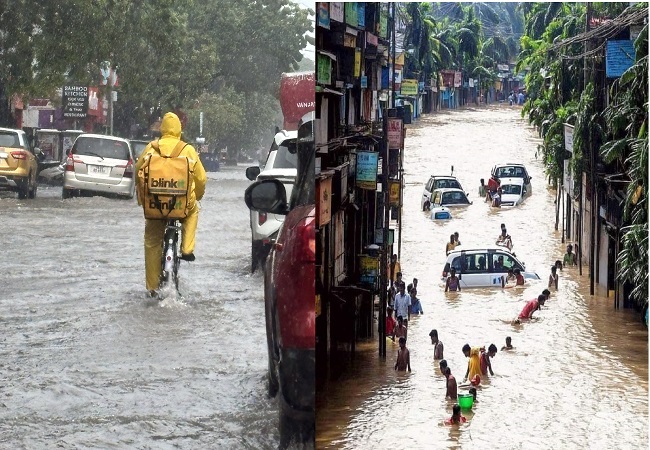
(171, 126)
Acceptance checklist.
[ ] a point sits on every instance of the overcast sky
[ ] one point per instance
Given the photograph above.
(309, 51)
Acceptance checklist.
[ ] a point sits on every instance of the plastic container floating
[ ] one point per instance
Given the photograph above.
(465, 401)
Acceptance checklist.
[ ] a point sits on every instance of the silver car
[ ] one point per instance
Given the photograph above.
(99, 164)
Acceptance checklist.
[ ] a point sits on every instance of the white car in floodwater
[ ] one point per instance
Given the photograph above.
(484, 267)
(513, 191)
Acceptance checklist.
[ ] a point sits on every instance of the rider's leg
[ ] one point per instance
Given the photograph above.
(189, 230)
(154, 231)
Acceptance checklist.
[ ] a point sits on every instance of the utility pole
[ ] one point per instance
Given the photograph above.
(393, 44)
(592, 171)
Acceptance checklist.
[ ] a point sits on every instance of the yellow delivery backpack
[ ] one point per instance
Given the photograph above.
(164, 184)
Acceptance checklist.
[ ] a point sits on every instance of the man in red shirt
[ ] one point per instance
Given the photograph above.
(532, 306)
(492, 186)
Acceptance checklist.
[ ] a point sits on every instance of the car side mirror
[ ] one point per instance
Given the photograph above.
(269, 196)
(252, 172)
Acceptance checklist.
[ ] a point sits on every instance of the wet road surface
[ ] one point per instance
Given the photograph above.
(578, 377)
(86, 361)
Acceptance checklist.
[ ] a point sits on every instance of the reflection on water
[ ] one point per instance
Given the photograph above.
(578, 376)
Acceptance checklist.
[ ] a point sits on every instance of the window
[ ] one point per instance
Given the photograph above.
(455, 264)
(429, 185)
(285, 157)
(9, 140)
(475, 263)
(503, 262)
(104, 148)
(511, 189)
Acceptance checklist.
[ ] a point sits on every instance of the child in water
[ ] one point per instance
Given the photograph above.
(508, 345)
(456, 417)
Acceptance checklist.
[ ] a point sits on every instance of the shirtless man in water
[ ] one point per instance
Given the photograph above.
(403, 357)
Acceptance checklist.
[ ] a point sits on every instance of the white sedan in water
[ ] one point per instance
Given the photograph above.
(513, 191)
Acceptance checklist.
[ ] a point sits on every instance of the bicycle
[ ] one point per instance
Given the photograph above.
(171, 260)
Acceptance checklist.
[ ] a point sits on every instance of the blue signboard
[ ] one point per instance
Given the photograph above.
(361, 14)
(385, 81)
(620, 57)
(364, 82)
(367, 163)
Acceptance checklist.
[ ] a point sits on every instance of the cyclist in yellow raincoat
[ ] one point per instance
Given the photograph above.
(170, 130)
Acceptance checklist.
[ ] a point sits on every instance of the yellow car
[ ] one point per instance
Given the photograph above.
(18, 165)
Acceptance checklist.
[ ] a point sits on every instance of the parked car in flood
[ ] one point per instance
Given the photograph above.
(484, 267)
(449, 198)
(99, 164)
(18, 165)
(437, 182)
(289, 286)
(513, 191)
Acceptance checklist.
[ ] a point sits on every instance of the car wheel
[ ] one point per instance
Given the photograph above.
(23, 189)
(32, 192)
(66, 193)
(294, 432)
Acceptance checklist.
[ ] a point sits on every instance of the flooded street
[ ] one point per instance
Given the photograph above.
(86, 361)
(578, 377)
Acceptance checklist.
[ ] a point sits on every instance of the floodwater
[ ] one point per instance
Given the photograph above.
(578, 377)
(86, 361)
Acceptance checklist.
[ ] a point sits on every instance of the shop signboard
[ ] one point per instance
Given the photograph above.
(409, 87)
(351, 15)
(383, 23)
(371, 39)
(324, 203)
(379, 236)
(394, 132)
(394, 189)
(75, 101)
(364, 82)
(324, 15)
(357, 63)
(369, 268)
(457, 78)
(336, 12)
(367, 164)
(324, 75)
(361, 14)
(568, 137)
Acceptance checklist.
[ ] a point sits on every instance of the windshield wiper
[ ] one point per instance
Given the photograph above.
(95, 154)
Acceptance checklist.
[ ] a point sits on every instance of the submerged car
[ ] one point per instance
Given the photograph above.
(449, 198)
(513, 191)
(484, 267)
(440, 213)
(512, 170)
(438, 182)
(18, 165)
(99, 164)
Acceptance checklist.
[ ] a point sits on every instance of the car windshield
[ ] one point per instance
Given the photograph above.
(285, 157)
(453, 198)
(104, 148)
(9, 139)
(510, 172)
(511, 189)
(446, 184)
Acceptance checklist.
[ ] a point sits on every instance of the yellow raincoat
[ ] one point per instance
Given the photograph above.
(170, 129)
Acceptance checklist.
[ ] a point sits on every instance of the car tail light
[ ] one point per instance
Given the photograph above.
(128, 169)
(20, 154)
(69, 164)
(261, 218)
(305, 250)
